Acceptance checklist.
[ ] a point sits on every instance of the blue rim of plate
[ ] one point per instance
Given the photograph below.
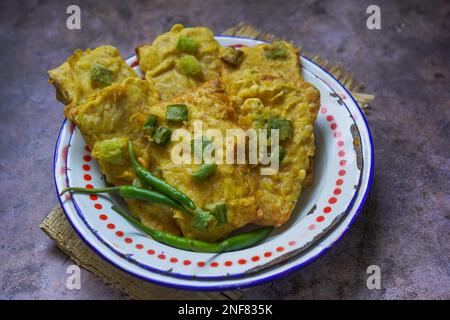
(252, 282)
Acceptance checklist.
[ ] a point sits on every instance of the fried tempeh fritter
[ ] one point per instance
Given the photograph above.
(73, 79)
(180, 60)
(259, 98)
(107, 121)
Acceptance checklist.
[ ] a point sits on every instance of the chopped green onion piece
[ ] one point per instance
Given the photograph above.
(284, 126)
(162, 135)
(150, 125)
(232, 56)
(204, 171)
(189, 65)
(202, 219)
(111, 150)
(281, 152)
(186, 44)
(276, 50)
(220, 212)
(177, 113)
(101, 76)
(205, 142)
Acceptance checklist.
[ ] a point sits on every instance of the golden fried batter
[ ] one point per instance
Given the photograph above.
(229, 184)
(183, 67)
(109, 118)
(260, 59)
(259, 98)
(278, 59)
(107, 121)
(162, 61)
(72, 79)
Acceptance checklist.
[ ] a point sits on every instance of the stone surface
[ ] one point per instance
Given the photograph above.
(405, 226)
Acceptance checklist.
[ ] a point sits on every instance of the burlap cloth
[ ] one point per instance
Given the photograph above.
(59, 229)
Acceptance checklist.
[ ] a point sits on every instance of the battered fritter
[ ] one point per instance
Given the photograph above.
(72, 79)
(180, 59)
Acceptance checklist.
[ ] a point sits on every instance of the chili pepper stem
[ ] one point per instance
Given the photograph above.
(90, 191)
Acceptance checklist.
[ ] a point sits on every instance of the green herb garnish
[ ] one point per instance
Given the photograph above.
(284, 126)
(150, 125)
(187, 44)
(276, 50)
(177, 113)
(204, 171)
(100, 76)
(189, 65)
(162, 135)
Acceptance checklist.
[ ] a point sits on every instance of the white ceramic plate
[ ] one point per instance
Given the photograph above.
(342, 177)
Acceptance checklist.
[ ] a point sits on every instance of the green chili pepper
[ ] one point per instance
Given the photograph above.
(245, 240)
(132, 192)
(177, 113)
(157, 183)
(238, 242)
(276, 50)
(150, 125)
(189, 65)
(187, 44)
(284, 126)
(162, 135)
(101, 76)
(204, 171)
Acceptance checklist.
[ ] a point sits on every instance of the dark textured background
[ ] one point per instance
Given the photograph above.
(405, 227)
